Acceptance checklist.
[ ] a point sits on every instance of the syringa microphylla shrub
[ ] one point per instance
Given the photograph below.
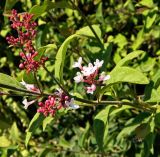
(116, 78)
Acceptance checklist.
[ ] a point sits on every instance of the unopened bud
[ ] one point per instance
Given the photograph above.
(21, 66)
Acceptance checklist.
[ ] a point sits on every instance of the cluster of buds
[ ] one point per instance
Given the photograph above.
(90, 74)
(55, 102)
(25, 27)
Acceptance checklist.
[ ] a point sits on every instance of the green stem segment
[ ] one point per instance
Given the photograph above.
(38, 85)
(64, 90)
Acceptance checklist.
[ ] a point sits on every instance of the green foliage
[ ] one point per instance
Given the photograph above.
(34, 124)
(101, 127)
(129, 32)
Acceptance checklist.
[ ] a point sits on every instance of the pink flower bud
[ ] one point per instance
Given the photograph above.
(21, 66)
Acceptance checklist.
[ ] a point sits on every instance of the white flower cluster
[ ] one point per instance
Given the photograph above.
(89, 74)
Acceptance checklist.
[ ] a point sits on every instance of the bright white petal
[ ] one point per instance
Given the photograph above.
(98, 63)
(78, 78)
(107, 77)
(78, 64)
(74, 106)
(27, 103)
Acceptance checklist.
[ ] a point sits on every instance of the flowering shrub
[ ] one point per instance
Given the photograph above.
(104, 104)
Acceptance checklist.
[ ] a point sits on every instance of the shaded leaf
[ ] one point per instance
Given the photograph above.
(101, 127)
(34, 124)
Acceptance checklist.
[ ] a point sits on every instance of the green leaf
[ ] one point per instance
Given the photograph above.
(139, 40)
(45, 49)
(34, 124)
(147, 3)
(47, 121)
(64, 143)
(133, 124)
(60, 57)
(127, 74)
(84, 136)
(38, 10)
(86, 31)
(9, 5)
(60, 4)
(116, 111)
(61, 54)
(107, 55)
(101, 127)
(151, 17)
(142, 130)
(8, 81)
(129, 57)
(29, 78)
(4, 141)
(149, 140)
(99, 13)
(15, 133)
(154, 97)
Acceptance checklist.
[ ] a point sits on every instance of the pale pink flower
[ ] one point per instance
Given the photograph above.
(28, 103)
(98, 63)
(104, 77)
(78, 78)
(78, 64)
(71, 104)
(91, 89)
(30, 87)
(87, 71)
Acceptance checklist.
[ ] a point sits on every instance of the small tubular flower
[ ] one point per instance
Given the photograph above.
(91, 89)
(27, 103)
(78, 64)
(78, 78)
(71, 104)
(104, 77)
(87, 71)
(30, 87)
(98, 63)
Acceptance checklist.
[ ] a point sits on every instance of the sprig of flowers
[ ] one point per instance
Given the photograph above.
(90, 74)
(25, 27)
(55, 102)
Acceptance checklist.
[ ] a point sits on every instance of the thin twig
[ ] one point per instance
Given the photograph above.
(18, 89)
(88, 23)
(37, 83)
(64, 90)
